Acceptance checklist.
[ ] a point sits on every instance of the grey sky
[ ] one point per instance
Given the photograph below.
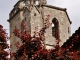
(73, 10)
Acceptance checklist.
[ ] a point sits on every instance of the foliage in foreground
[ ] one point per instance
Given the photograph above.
(3, 44)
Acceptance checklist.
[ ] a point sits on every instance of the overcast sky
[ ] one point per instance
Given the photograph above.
(73, 10)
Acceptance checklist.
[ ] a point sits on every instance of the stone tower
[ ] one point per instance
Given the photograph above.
(34, 15)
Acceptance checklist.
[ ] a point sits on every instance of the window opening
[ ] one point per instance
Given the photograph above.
(55, 31)
(34, 14)
(68, 29)
(25, 18)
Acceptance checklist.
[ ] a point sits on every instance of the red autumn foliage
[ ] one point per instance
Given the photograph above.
(3, 44)
(33, 47)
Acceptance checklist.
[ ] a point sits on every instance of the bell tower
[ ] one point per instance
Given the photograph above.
(34, 15)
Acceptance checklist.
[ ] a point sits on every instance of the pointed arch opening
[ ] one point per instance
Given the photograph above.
(55, 28)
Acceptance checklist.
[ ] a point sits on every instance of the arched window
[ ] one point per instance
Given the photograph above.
(55, 28)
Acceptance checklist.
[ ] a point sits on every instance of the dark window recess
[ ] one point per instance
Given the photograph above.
(25, 18)
(55, 31)
(34, 14)
(68, 30)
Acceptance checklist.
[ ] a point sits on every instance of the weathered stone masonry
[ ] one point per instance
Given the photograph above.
(34, 15)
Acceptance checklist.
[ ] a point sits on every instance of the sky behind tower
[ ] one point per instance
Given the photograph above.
(73, 10)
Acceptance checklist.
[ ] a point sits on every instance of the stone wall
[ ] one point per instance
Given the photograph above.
(64, 25)
(16, 21)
